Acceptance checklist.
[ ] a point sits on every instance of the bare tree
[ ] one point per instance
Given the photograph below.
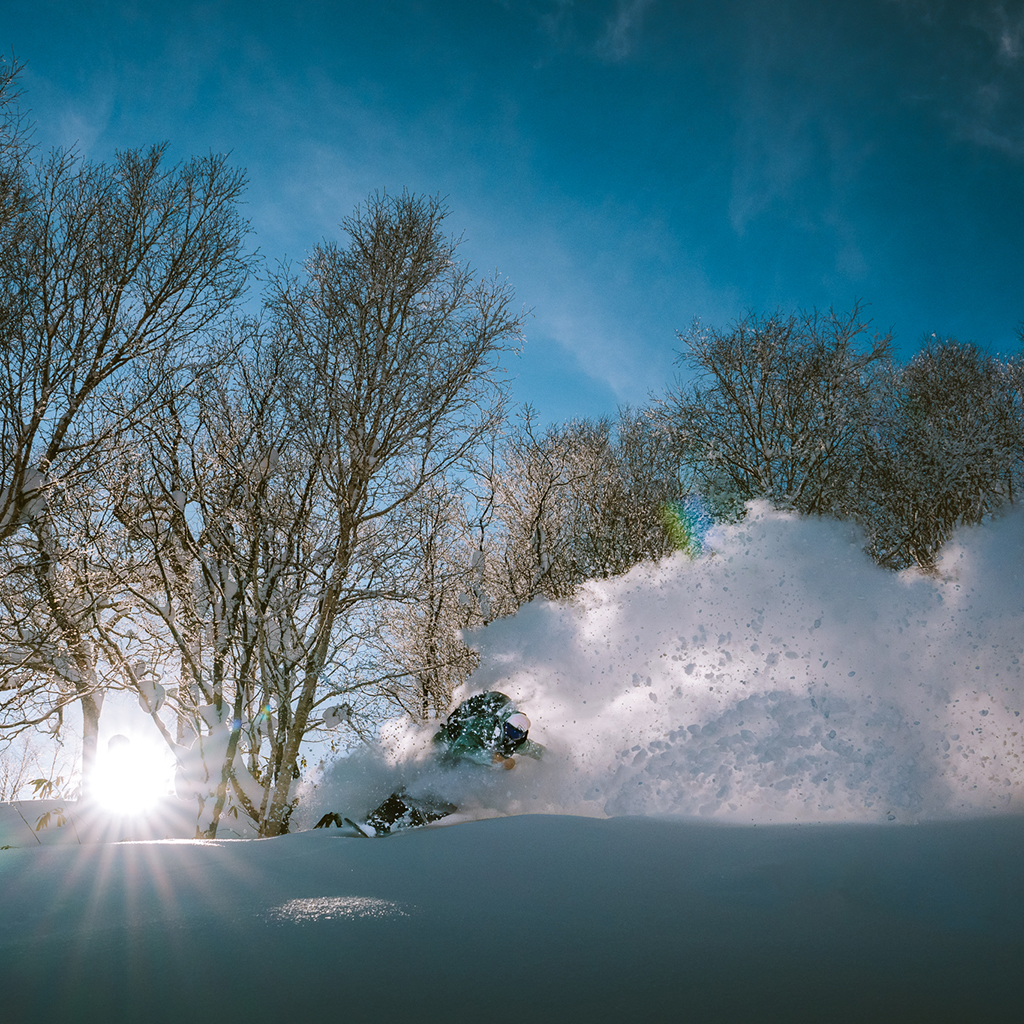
(395, 346)
(779, 407)
(266, 510)
(14, 191)
(116, 265)
(946, 452)
(629, 476)
(53, 597)
(191, 491)
(112, 274)
(275, 515)
(423, 657)
(580, 500)
(530, 486)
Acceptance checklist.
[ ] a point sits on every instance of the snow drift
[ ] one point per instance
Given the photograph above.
(781, 676)
(540, 918)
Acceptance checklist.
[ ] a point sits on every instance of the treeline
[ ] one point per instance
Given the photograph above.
(814, 414)
(270, 529)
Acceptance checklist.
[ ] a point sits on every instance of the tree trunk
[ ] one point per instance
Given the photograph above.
(92, 704)
(276, 821)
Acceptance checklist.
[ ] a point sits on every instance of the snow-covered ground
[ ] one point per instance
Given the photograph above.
(781, 784)
(538, 918)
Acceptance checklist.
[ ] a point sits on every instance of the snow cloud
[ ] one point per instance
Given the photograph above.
(782, 677)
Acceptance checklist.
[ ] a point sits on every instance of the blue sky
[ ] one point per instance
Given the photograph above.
(628, 164)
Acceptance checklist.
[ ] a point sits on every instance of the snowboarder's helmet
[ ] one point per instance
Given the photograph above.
(516, 728)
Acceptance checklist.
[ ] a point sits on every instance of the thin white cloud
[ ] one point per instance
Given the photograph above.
(975, 70)
(925, 11)
(1011, 144)
(1010, 42)
(1005, 30)
(556, 23)
(584, 270)
(76, 122)
(1002, 23)
(773, 154)
(622, 29)
(585, 28)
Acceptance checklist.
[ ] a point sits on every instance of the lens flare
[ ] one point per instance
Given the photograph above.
(687, 523)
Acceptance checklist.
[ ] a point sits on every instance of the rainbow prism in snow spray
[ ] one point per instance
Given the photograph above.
(687, 523)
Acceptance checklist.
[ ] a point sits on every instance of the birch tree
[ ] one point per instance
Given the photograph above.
(278, 514)
(396, 347)
(112, 275)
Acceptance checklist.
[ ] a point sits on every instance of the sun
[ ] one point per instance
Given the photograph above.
(131, 775)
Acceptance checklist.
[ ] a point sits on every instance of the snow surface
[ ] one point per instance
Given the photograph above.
(781, 785)
(538, 918)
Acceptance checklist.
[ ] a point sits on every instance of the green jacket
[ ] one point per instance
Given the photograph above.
(475, 731)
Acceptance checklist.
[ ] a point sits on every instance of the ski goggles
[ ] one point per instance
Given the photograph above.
(514, 735)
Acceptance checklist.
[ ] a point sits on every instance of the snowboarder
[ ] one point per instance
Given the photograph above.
(487, 729)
